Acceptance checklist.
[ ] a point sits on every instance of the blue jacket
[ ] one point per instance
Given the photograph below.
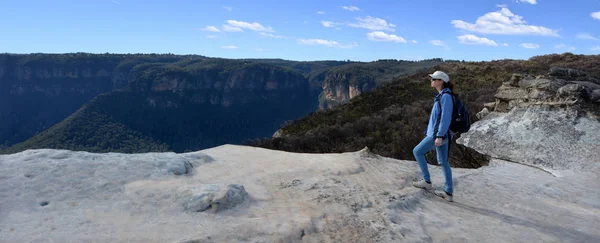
(442, 129)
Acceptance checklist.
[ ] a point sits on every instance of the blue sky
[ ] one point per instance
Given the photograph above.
(304, 30)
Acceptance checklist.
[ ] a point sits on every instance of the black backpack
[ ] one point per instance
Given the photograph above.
(461, 118)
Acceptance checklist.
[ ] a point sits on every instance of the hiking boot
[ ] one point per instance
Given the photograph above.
(422, 184)
(443, 194)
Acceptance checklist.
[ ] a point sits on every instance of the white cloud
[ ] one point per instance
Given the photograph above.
(211, 36)
(505, 44)
(469, 39)
(563, 46)
(251, 26)
(595, 48)
(529, 45)
(586, 36)
(527, 1)
(320, 12)
(351, 8)
(503, 22)
(328, 43)
(229, 28)
(328, 24)
(211, 29)
(414, 41)
(372, 23)
(272, 35)
(381, 36)
(229, 47)
(437, 43)
(595, 15)
(228, 8)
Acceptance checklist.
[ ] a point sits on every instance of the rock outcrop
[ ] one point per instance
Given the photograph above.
(212, 198)
(339, 88)
(549, 121)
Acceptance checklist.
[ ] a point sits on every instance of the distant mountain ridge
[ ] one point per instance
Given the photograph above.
(178, 103)
(183, 106)
(40, 90)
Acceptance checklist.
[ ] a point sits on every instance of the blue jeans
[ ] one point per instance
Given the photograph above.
(426, 145)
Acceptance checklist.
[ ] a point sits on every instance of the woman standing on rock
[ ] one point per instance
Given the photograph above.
(438, 135)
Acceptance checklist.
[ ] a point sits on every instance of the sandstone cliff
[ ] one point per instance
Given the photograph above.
(339, 88)
(341, 84)
(222, 82)
(38, 91)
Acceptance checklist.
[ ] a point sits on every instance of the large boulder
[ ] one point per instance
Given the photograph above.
(545, 122)
(574, 91)
(595, 96)
(546, 137)
(591, 85)
(567, 73)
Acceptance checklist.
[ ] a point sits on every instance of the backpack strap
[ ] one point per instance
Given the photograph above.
(438, 120)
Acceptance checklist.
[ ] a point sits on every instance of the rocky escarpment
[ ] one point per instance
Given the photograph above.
(339, 88)
(549, 121)
(39, 90)
(222, 82)
(21, 75)
(183, 106)
(341, 84)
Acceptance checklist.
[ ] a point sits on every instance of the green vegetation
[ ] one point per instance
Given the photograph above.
(89, 129)
(125, 121)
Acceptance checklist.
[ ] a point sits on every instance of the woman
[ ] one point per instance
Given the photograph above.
(438, 135)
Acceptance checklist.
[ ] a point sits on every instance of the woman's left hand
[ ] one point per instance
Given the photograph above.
(438, 142)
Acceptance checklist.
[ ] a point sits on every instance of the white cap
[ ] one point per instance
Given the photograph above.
(440, 75)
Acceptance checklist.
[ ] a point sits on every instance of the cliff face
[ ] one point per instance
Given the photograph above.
(57, 81)
(243, 83)
(339, 88)
(185, 104)
(341, 84)
(37, 91)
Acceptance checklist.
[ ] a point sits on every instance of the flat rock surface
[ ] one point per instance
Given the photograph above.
(64, 196)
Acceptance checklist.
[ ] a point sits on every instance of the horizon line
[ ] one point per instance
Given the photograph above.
(284, 59)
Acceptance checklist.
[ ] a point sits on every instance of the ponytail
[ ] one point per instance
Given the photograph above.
(449, 85)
